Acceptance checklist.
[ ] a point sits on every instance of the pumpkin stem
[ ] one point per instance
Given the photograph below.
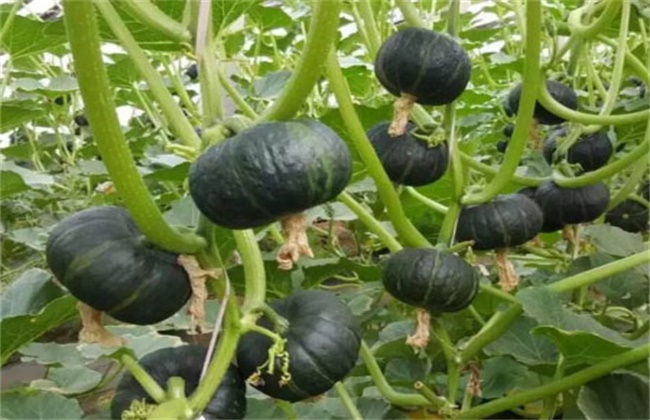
(401, 110)
(474, 382)
(198, 277)
(92, 328)
(420, 339)
(534, 137)
(508, 278)
(295, 241)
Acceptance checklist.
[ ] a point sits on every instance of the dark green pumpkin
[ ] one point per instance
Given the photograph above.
(103, 259)
(186, 362)
(508, 220)
(269, 171)
(567, 206)
(430, 279)
(425, 64)
(560, 92)
(629, 215)
(591, 150)
(546, 226)
(407, 159)
(323, 341)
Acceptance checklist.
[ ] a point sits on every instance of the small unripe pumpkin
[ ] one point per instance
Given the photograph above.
(546, 226)
(434, 280)
(560, 92)
(430, 66)
(629, 215)
(406, 159)
(269, 171)
(508, 220)
(102, 258)
(186, 362)
(567, 206)
(323, 340)
(591, 151)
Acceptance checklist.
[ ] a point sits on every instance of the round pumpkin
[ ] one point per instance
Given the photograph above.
(103, 259)
(186, 362)
(506, 221)
(629, 215)
(407, 159)
(429, 66)
(566, 206)
(560, 92)
(323, 341)
(269, 171)
(546, 226)
(591, 151)
(434, 280)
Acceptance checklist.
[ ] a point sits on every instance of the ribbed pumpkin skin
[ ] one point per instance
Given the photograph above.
(406, 159)
(546, 226)
(508, 220)
(323, 341)
(591, 151)
(269, 171)
(100, 255)
(430, 279)
(567, 206)
(229, 402)
(426, 64)
(629, 216)
(560, 92)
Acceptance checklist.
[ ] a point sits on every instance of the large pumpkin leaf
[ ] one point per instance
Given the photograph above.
(29, 36)
(35, 405)
(546, 308)
(29, 293)
(69, 380)
(499, 375)
(523, 346)
(16, 113)
(615, 396)
(19, 330)
(580, 347)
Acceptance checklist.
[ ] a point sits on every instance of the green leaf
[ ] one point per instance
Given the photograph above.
(615, 396)
(499, 375)
(629, 288)
(17, 113)
(19, 330)
(614, 241)
(29, 293)
(225, 12)
(523, 346)
(69, 380)
(32, 178)
(34, 238)
(11, 184)
(271, 85)
(54, 354)
(29, 36)
(405, 371)
(35, 405)
(546, 308)
(579, 347)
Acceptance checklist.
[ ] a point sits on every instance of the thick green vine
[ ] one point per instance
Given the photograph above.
(322, 34)
(83, 35)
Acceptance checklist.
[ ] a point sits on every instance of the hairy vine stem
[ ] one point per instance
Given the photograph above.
(408, 233)
(322, 34)
(571, 381)
(530, 81)
(148, 14)
(83, 34)
(169, 107)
